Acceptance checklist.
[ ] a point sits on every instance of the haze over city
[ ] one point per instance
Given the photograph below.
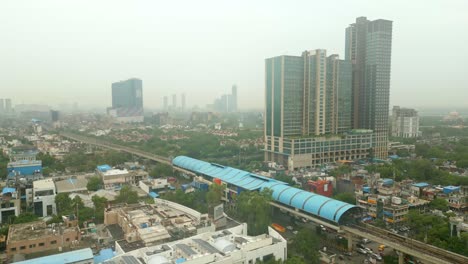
(56, 52)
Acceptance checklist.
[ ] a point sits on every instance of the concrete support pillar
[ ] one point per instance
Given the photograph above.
(401, 258)
(349, 236)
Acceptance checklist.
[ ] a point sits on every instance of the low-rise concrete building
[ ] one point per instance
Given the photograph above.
(156, 223)
(10, 204)
(42, 197)
(37, 236)
(114, 178)
(72, 185)
(227, 246)
(156, 186)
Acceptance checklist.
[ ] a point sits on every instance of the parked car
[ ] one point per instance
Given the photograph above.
(290, 228)
(361, 251)
(365, 241)
(376, 256)
(360, 245)
(368, 250)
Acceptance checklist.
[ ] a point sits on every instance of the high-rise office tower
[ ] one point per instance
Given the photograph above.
(307, 97)
(369, 47)
(127, 93)
(233, 101)
(182, 101)
(174, 101)
(2, 105)
(165, 103)
(127, 100)
(8, 105)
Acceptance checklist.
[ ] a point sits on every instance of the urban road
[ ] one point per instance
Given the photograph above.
(420, 250)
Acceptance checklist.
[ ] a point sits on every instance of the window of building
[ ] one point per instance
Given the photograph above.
(32, 246)
(22, 247)
(13, 249)
(41, 244)
(68, 239)
(53, 242)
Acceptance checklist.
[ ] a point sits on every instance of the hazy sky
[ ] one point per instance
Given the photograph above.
(71, 51)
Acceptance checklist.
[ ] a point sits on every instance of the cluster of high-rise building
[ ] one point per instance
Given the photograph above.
(227, 103)
(5, 105)
(174, 106)
(322, 108)
(127, 101)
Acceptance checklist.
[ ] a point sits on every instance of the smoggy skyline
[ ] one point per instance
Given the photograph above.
(62, 52)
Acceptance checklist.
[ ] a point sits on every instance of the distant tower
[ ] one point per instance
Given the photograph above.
(2, 105)
(182, 101)
(8, 105)
(166, 104)
(174, 101)
(234, 99)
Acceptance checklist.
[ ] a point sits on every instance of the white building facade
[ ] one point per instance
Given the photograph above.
(405, 123)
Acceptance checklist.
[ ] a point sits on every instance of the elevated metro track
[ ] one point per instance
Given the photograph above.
(422, 251)
(108, 145)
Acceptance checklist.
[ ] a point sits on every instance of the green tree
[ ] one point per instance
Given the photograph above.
(307, 244)
(294, 260)
(25, 218)
(346, 197)
(254, 208)
(77, 203)
(127, 195)
(439, 204)
(63, 202)
(284, 178)
(94, 183)
(100, 204)
(214, 195)
(161, 170)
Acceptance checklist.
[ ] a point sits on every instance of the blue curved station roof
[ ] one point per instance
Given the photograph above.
(309, 202)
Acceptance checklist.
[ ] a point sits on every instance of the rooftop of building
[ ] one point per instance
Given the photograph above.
(44, 184)
(203, 248)
(71, 185)
(35, 230)
(64, 258)
(421, 184)
(157, 222)
(22, 163)
(114, 172)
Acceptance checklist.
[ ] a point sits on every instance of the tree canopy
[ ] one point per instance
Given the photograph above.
(94, 183)
(254, 208)
(346, 197)
(306, 243)
(127, 195)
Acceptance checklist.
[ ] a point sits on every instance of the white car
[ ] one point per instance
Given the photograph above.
(368, 250)
(361, 251)
(290, 228)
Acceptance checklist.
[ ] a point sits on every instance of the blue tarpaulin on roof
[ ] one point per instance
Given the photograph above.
(154, 194)
(104, 255)
(421, 184)
(8, 190)
(104, 168)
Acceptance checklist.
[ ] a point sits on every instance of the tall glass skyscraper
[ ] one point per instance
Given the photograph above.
(369, 47)
(127, 101)
(308, 99)
(127, 94)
